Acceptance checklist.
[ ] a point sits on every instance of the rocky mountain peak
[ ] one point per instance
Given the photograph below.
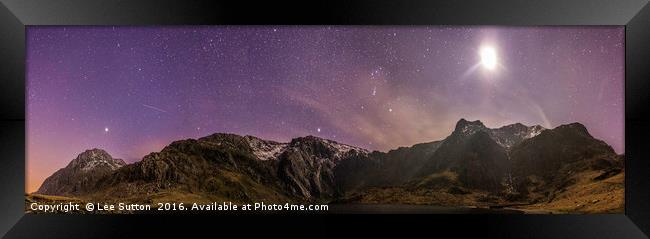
(575, 128)
(463, 123)
(514, 127)
(466, 127)
(324, 147)
(81, 174)
(307, 139)
(93, 158)
(222, 137)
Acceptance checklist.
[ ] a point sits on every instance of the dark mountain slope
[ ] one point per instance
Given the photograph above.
(81, 174)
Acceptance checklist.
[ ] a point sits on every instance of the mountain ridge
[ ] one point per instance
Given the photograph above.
(504, 162)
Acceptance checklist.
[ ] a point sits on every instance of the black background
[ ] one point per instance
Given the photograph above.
(15, 14)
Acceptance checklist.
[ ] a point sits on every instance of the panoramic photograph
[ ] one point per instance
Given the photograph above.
(325, 119)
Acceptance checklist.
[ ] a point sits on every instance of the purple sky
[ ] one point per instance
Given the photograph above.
(133, 90)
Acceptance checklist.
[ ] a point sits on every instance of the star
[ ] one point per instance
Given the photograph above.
(105, 129)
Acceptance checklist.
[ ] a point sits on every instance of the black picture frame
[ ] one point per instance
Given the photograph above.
(15, 15)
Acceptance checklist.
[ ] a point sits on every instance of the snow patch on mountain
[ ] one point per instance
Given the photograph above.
(269, 151)
(506, 136)
(509, 135)
(335, 151)
(341, 150)
(266, 150)
(99, 163)
(94, 158)
(534, 131)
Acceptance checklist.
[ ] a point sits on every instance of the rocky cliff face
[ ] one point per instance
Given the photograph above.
(307, 166)
(479, 155)
(553, 149)
(555, 154)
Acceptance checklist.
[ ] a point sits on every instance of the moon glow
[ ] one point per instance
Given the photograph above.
(488, 58)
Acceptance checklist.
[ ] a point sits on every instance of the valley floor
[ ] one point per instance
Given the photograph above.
(589, 194)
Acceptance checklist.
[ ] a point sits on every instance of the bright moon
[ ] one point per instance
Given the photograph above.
(106, 129)
(488, 58)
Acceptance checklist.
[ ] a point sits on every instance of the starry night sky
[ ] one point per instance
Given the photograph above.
(133, 90)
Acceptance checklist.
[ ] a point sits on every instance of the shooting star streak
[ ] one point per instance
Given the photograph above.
(154, 108)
